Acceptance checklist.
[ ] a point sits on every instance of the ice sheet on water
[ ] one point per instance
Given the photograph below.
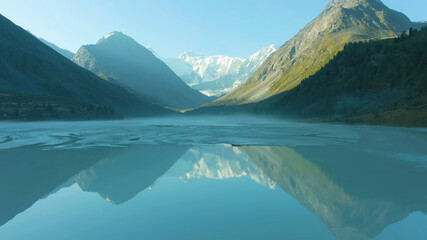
(194, 131)
(207, 131)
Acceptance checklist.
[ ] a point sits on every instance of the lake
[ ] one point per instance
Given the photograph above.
(211, 178)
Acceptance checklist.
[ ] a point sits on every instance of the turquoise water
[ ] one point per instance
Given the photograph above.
(211, 179)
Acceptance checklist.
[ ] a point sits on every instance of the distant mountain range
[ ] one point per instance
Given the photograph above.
(216, 75)
(317, 74)
(37, 82)
(123, 61)
(341, 22)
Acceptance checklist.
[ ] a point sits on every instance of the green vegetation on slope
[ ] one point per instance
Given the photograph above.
(30, 108)
(316, 44)
(379, 82)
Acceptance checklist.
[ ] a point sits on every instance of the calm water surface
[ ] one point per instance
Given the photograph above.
(235, 178)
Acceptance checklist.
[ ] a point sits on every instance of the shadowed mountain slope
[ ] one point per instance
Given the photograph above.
(36, 82)
(135, 68)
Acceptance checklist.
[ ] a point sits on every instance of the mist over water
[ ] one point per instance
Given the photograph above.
(211, 178)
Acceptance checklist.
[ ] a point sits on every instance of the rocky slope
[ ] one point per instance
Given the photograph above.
(341, 22)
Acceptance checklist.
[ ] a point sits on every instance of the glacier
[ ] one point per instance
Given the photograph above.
(216, 75)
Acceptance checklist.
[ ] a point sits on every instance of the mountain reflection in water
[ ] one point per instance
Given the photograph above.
(356, 193)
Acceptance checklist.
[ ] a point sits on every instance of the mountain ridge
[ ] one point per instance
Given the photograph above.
(381, 82)
(137, 69)
(36, 82)
(318, 42)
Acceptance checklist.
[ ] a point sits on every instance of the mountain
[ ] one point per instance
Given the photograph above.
(132, 66)
(36, 82)
(376, 82)
(63, 52)
(217, 75)
(341, 22)
(379, 82)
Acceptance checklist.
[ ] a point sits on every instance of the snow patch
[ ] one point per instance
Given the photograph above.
(109, 35)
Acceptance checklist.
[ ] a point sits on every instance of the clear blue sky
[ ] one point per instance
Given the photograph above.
(210, 27)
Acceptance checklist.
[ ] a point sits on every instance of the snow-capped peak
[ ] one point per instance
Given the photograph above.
(262, 55)
(218, 74)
